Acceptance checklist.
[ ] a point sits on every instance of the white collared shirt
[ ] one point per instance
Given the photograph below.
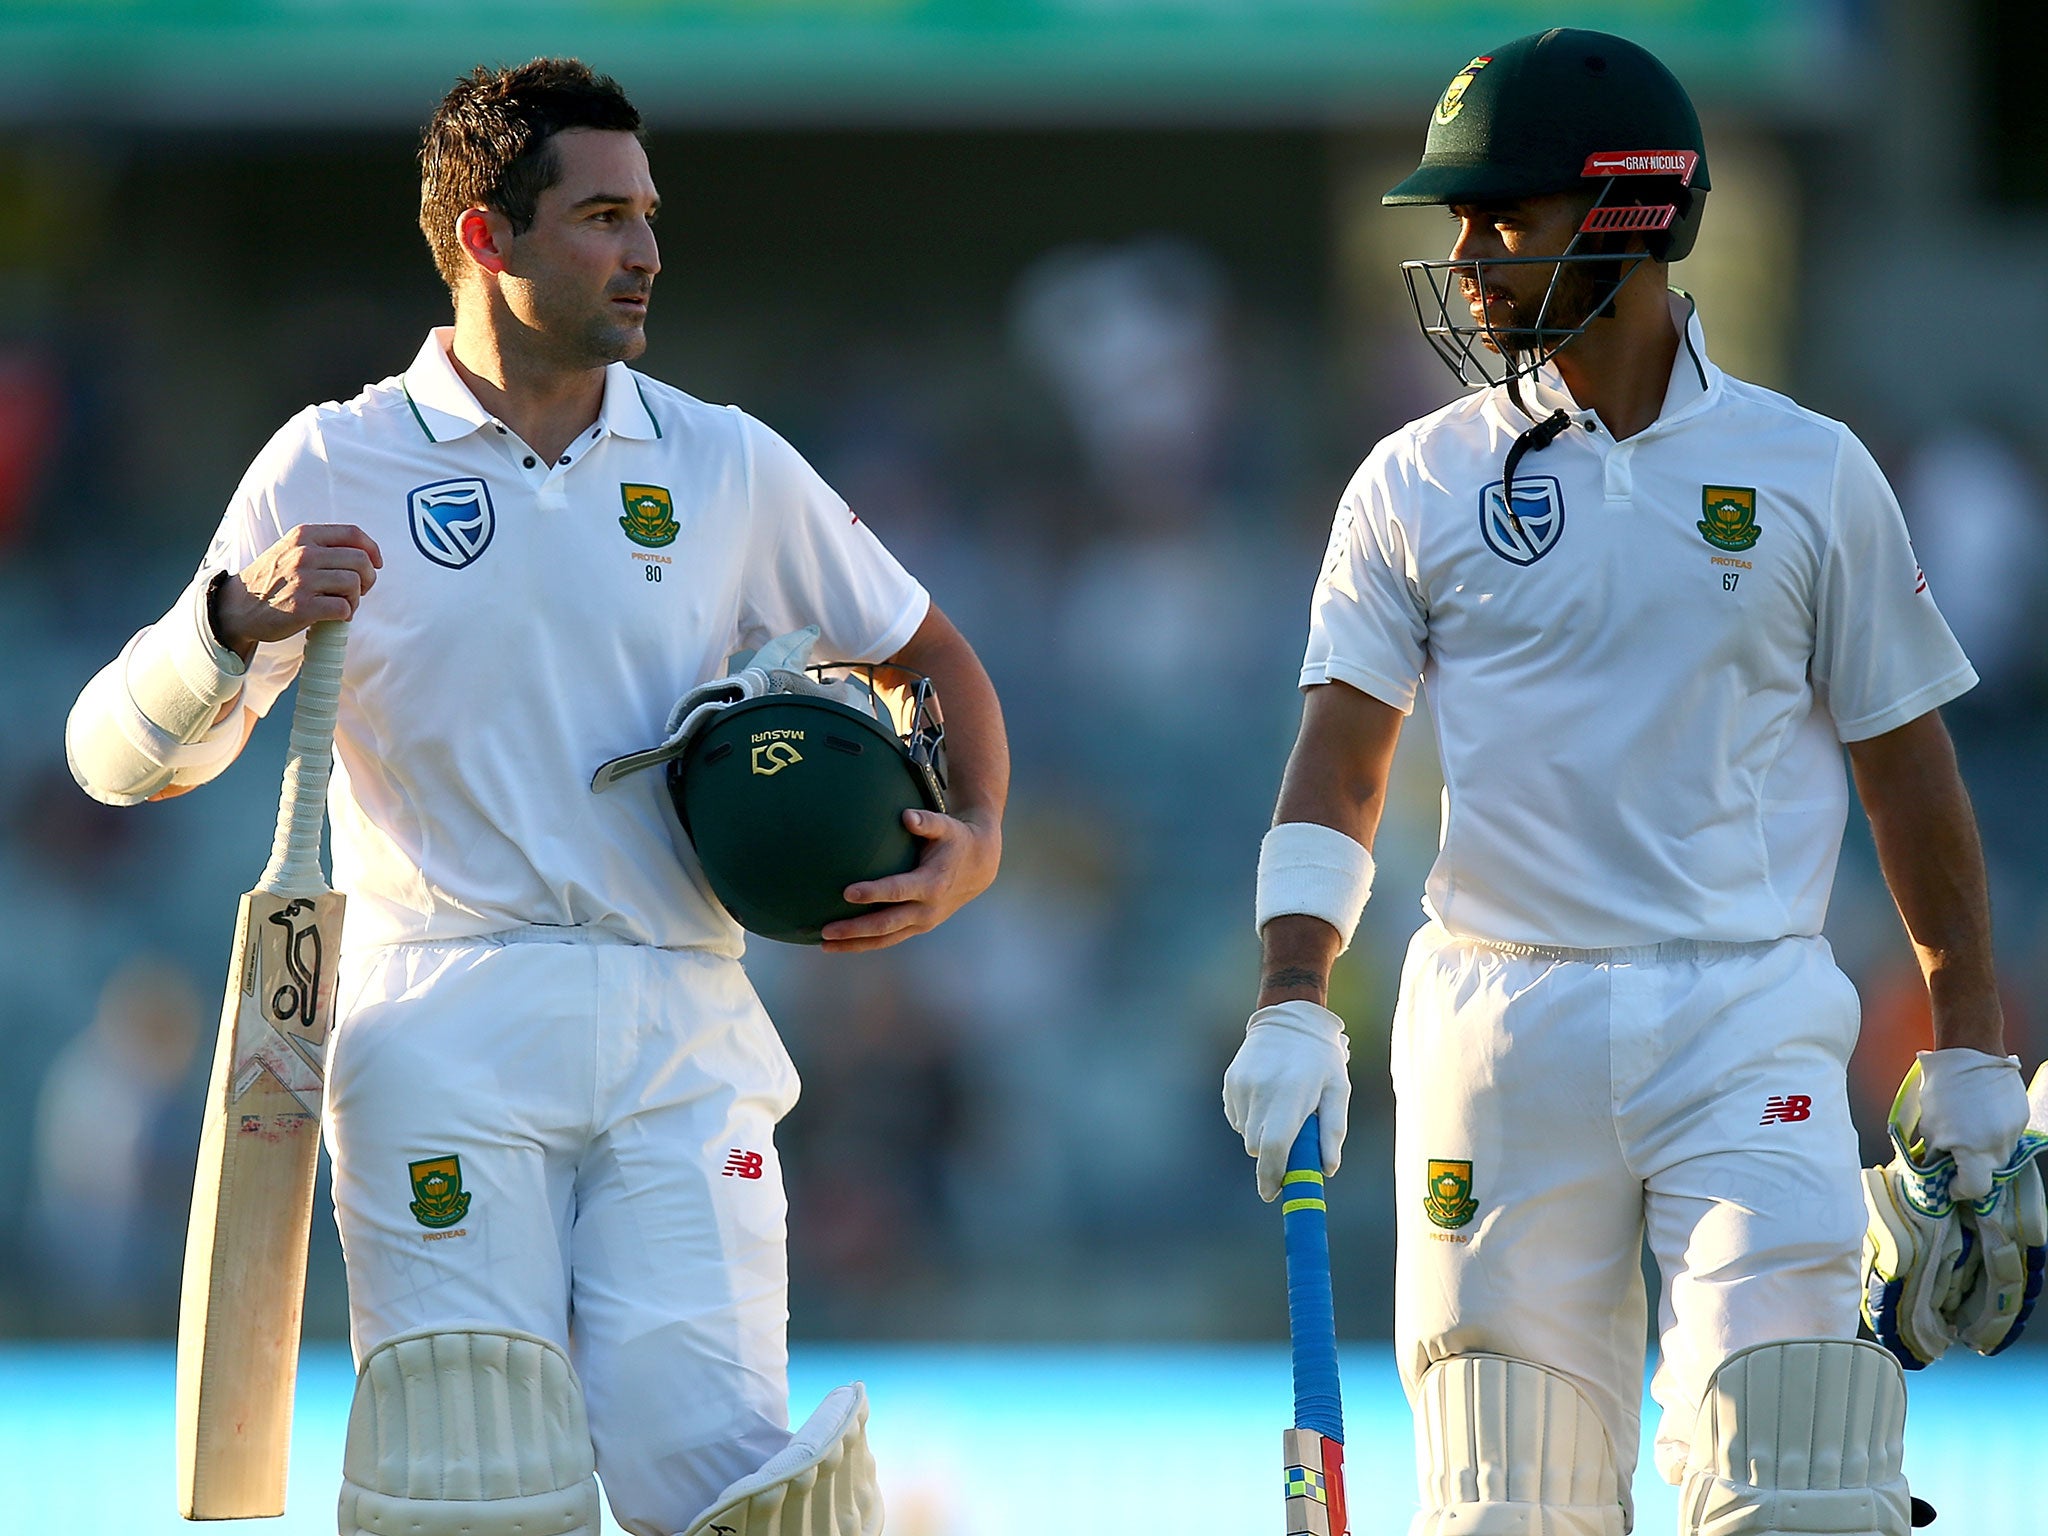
(1640, 683)
(533, 620)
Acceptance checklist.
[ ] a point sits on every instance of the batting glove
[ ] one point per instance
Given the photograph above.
(1914, 1253)
(1294, 1061)
(2010, 1229)
(1971, 1106)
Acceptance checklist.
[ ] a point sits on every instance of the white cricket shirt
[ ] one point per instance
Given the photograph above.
(1640, 682)
(533, 620)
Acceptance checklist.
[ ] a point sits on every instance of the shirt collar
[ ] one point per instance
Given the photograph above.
(445, 409)
(1693, 375)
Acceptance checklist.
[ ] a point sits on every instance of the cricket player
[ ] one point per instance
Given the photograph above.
(1651, 604)
(552, 1093)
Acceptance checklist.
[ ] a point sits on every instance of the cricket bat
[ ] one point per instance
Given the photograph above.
(252, 1200)
(1314, 1446)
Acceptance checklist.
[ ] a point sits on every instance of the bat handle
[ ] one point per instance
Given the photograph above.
(1311, 1309)
(294, 867)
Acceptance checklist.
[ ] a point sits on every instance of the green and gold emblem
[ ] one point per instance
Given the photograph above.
(650, 518)
(1449, 1202)
(1453, 101)
(1728, 518)
(437, 1182)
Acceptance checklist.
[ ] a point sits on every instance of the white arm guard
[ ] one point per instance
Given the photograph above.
(1314, 870)
(147, 720)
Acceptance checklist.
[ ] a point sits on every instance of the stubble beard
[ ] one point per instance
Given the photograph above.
(1574, 300)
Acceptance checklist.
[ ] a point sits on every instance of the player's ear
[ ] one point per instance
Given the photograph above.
(487, 235)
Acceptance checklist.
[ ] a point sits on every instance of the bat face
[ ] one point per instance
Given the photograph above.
(252, 1205)
(286, 1001)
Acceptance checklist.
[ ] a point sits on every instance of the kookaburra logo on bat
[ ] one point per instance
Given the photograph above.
(297, 998)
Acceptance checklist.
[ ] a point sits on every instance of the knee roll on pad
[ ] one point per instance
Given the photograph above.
(1510, 1448)
(473, 1433)
(1801, 1435)
(822, 1484)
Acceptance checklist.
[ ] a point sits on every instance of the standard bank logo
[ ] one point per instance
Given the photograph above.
(452, 521)
(1530, 529)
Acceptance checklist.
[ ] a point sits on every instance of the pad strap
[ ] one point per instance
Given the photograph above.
(1316, 871)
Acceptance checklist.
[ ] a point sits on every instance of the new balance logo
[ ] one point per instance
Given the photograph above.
(747, 1165)
(1787, 1107)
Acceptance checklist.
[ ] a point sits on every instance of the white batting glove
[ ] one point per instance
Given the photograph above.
(1914, 1273)
(1294, 1062)
(1973, 1107)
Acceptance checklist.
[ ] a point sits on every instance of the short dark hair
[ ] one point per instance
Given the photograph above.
(488, 144)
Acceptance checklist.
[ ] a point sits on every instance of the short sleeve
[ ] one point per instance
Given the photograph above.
(1882, 654)
(287, 484)
(1368, 624)
(814, 561)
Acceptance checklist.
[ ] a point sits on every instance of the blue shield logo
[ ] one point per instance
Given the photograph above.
(1531, 530)
(452, 521)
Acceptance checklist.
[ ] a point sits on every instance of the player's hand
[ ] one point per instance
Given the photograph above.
(957, 864)
(1973, 1106)
(317, 571)
(1294, 1059)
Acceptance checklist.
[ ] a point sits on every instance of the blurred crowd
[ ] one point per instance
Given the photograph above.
(1112, 455)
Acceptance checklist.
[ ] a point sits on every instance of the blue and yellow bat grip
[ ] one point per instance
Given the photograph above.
(1315, 1445)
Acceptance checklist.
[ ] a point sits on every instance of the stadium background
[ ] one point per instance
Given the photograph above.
(1089, 309)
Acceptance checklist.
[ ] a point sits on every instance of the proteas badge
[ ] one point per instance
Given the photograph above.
(1449, 1201)
(437, 1182)
(1729, 516)
(650, 518)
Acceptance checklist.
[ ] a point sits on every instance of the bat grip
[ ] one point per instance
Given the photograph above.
(1311, 1309)
(294, 867)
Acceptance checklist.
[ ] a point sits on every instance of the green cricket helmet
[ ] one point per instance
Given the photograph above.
(790, 797)
(1557, 111)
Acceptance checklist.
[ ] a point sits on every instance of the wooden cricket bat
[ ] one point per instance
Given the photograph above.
(1314, 1447)
(252, 1200)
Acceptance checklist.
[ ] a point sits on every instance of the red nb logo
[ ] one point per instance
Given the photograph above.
(1786, 1107)
(744, 1165)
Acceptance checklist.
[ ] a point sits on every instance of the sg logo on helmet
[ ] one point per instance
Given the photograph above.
(772, 757)
(1454, 93)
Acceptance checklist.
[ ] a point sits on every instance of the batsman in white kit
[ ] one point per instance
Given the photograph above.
(551, 1093)
(1651, 604)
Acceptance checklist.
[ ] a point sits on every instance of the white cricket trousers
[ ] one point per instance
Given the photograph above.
(1695, 1092)
(545, 1131)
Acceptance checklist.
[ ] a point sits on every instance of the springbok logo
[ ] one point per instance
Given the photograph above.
(771, 757)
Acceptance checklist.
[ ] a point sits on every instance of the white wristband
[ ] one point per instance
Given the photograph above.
(1316, 871)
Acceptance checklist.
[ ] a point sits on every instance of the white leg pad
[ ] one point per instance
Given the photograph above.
(1801, 1435)
(822, 1484)
(1510, 1448)
(468, 1434)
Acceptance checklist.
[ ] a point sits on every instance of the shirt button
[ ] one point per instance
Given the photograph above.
(528, 461)
(563, 460)
(501, 430)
